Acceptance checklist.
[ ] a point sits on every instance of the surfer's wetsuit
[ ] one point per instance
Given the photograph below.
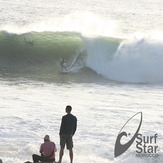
(63, 64)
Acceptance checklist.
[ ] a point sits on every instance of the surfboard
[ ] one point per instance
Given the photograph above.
(65, 71)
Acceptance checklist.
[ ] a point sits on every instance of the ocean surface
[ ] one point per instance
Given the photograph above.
(114, 61)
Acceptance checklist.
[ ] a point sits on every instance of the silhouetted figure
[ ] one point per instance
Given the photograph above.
(67, 130)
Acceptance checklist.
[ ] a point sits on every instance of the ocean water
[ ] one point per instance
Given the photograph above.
(114, 59)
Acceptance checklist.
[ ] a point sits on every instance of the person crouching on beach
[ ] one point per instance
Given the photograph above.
(47, 150)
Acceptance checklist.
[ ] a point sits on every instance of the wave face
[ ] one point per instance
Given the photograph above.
(36, 48)
(38, 54)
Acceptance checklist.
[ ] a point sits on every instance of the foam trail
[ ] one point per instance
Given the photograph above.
(78, 60)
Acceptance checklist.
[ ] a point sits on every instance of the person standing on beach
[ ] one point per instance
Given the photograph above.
(67, 130)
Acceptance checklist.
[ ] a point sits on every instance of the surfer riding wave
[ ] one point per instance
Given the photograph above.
(63, 64)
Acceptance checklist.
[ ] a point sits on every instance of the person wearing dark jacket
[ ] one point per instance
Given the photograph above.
(67, 130)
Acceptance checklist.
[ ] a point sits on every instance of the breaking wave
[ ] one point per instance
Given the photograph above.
(136, 60)
(39, 54)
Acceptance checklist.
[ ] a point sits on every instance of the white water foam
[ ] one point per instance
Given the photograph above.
(136, 60)
(33, 110)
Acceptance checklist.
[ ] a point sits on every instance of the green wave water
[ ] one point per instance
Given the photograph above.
(38, 55)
